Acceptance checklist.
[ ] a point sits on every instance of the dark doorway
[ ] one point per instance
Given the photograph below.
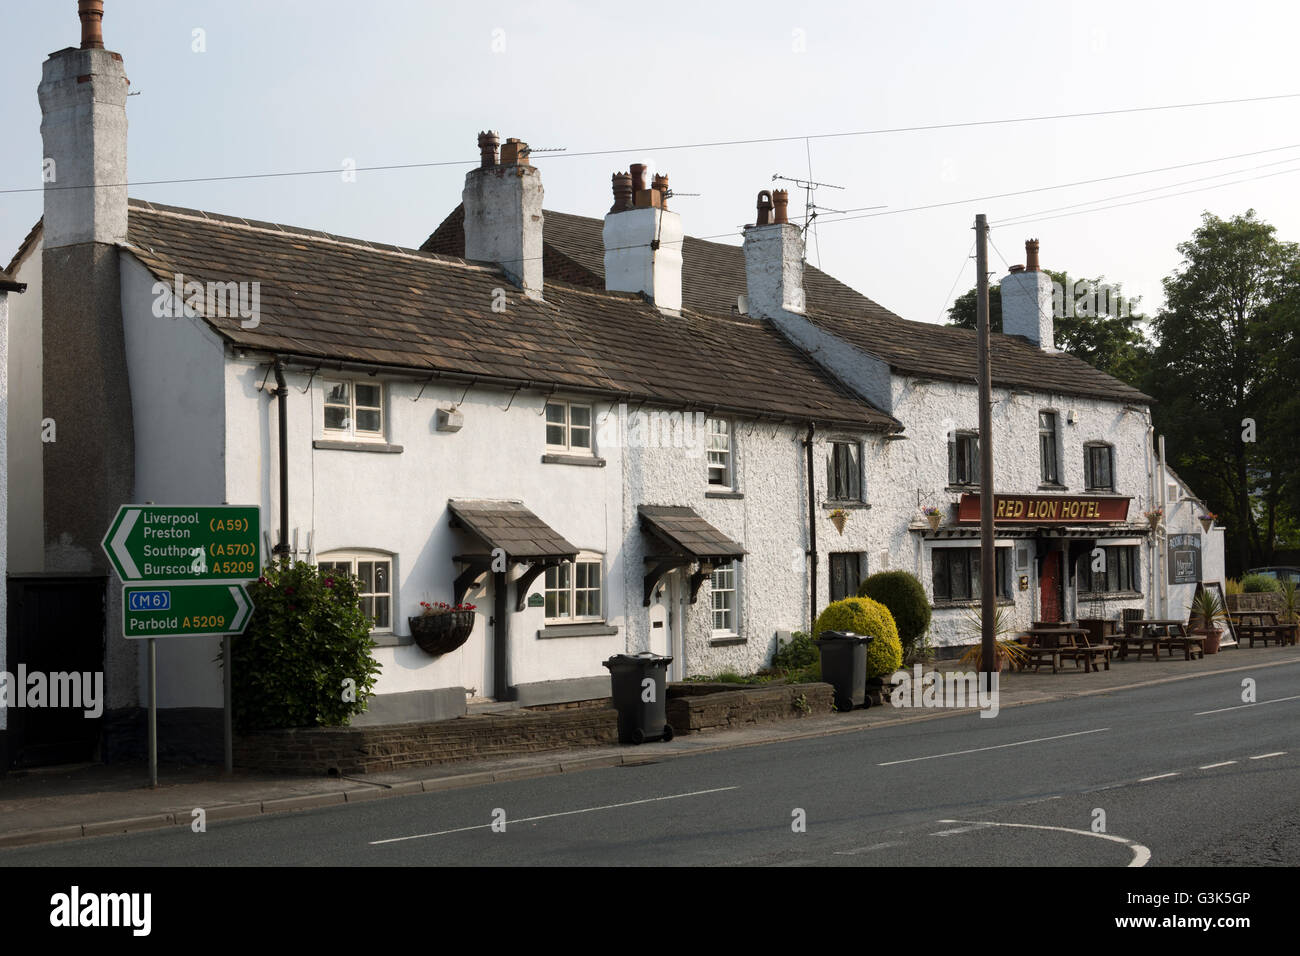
(55, 625)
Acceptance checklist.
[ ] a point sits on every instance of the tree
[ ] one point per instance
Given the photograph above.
(1092, 321)
(1224, 369)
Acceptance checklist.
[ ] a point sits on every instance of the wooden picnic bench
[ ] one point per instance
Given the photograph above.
(1263, 626)
(1054, 643)
(1146, 633)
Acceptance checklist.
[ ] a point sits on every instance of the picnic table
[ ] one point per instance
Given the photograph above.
(1053, 643)
(1263, 626)
(1156, 633)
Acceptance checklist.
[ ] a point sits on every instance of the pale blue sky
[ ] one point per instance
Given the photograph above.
(300, 85)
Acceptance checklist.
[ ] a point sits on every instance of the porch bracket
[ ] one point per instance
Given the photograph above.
(697, 579)
(654, 575)
(465, 580)
(526, 581)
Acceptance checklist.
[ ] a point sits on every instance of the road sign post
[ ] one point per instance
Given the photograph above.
(182, 568)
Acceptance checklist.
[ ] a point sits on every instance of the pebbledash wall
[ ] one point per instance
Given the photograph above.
(915, 472)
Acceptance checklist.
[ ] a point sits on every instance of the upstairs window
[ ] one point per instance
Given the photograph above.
(721, 457)
(963, 458)
(355, 409)
(1050, 472)
(844, 471)
(568, 427)
(1099, 464)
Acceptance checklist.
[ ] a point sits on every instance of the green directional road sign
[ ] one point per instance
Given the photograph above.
(184, 609)
(175, 543)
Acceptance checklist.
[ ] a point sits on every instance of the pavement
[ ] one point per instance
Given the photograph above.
(73, 803)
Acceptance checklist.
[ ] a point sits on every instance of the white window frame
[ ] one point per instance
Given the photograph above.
(351, 431)
(728, 482)
(568, 447)
(351, 558)
(570, 590)
(734, 591)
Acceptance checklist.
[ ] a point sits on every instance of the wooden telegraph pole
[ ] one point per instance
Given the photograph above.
(988, 559)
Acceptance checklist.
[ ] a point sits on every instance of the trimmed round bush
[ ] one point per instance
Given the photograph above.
(866, 616)
(904, 595)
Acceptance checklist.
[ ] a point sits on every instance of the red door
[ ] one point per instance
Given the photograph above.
(1049, 588)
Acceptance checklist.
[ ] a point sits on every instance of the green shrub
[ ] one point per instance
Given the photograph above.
(797, 654)
(865, 616)
(307, 639)
(1260, 584)
(904, 595)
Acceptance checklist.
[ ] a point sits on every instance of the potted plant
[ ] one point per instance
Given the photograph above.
(442, 627)
(838, 517)
(933, 515)
(1155, 516)
(1207, 521)
(1206, 612)
(1006, 650)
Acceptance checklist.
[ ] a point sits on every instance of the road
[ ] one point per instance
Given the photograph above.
(1171, 775)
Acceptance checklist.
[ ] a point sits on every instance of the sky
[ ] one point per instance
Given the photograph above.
(280, 86)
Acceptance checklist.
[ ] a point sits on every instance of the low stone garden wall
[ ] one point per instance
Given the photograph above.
(1263, 601)
(691, 711)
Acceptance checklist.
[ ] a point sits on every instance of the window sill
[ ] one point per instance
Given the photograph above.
(724, 494)
(1100, 491)
(589, 461)
(591, 629)
(392, 640)
(956, 605)
(832, 504)
(1052, 487)
(726, 640)
(970, 489)
(378, 447)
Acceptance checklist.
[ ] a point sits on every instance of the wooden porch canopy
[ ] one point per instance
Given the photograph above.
(520, 535)
(680, 538)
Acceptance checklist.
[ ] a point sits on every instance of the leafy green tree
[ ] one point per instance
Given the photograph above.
(1111, 342)
(1224, 371)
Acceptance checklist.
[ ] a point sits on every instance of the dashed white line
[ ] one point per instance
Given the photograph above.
(549, 816)
(1018, 743)
(1224, 710)
(868, 849)
(1141, 855)
(1159, 776)
(1212, 766)
(1276, 753)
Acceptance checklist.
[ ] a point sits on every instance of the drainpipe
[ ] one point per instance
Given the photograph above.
(282, 396)
(812, 528)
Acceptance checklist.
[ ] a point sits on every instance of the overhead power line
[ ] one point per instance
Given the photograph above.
(700, 145)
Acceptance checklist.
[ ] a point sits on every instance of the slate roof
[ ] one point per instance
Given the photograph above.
(685, 533)
(713, 275)
(509, 525)
(331, 299)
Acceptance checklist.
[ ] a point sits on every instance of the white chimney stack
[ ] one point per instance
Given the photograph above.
(643, 240)
(503, 212)
(773, 260)
(1027, 301)
(83, 133)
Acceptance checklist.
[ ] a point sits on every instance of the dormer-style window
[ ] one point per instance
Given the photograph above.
(568, 427)
(355, 409)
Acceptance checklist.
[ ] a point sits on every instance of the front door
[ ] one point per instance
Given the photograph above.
(1049, 588)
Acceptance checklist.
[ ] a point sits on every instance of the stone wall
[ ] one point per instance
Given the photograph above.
(694, 714)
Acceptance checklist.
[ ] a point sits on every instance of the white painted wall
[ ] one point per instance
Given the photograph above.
(26, 475)
(176, 369)
(631, 265)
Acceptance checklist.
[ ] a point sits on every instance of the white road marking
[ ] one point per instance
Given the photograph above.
(1277, 753)
(1018, 743)
(1224, 710)
(868, 849)
(1141, 855)
(955, 830)
(1159, 776)
(548, 816)
(1211, 766)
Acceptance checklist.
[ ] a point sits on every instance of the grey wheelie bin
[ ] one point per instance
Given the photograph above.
(844, 667)
(639, 685)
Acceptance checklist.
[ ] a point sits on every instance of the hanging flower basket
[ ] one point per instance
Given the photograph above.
(933, 515)
(838, 518)
(442, 628)
(1154, 517)
(1207, 521)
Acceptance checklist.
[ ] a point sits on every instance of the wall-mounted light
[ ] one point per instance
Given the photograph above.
(1072, 417)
